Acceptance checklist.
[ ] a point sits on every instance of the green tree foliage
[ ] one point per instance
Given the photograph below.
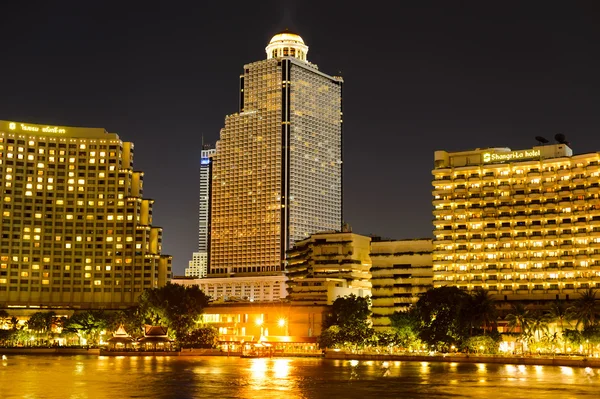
(205, 337)
(131, 319)
(88, 325)
(4, 318)
(481, 311)
(41, 324)
(482, 344)
(585, 308)
(348, 324)
(175, 306)
(443, 317)
(406, 325)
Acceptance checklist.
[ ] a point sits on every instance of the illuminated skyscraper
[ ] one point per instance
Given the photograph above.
(75, 228)
(277, 172)
(198, 266)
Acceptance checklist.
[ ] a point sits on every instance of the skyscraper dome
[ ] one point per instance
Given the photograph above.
(287, 44)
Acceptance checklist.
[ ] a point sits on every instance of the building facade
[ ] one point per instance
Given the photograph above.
(76, 230)
(240, 289)
(277, 172)
(326, 266)
(521, 224)
(198, 266)
(401, 271)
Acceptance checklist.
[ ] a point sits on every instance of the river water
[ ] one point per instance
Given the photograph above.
(83, 377)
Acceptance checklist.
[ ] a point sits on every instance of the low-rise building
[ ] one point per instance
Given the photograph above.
(329, 265)
(239, 289)
(401, 270)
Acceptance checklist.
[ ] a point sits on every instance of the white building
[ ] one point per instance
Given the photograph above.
(240, 289)
(277, 172)
(198, 266)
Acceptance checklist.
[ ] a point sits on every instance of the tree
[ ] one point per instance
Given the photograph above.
(349, 310)
(4, 318)
(538, 324)
(585, 308)
(131, 319)
(560, 312)
(87, 325)
(41, 323)
(175, 306)
(519, 318)
(406, 326)
(482, 344)
(204, 337)
(350, 316)
(482, 311)
(442, 317)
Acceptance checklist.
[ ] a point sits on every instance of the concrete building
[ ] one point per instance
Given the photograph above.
(523, 224)
(286, 327)
(401, 270)
(198, 266)
(76, 230)
(277, 172)
(326, 266)
(240, 289)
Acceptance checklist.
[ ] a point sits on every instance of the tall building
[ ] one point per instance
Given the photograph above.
(401, 271)
(523, 224)
(277, 172)
(76, 230)
(326, 266)
(198, 266)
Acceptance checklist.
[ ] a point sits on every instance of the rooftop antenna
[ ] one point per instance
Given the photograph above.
(541, 140)
(560, 138)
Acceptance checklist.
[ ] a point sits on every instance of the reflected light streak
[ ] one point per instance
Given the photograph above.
(566, 370)
(281, 367)
(353, 363)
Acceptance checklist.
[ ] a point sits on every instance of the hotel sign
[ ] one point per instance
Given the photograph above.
(36, 128)
(511, 156)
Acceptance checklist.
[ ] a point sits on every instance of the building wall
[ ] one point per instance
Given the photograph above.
(251, 289)
(76, 231)
(526, 226)
(402, 269)
(198, 266)
(328, 262)
(277, 169)
(266, 319)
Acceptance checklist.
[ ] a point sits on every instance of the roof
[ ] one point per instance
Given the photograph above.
(155, 331)
(286, 35)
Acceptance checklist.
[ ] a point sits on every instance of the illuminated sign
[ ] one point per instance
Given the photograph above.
(511, 156)
(204, 161)
(31, 128)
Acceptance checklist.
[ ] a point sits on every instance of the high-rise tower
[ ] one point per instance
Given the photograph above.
(75, 229)
(198, 266)
(277, 172)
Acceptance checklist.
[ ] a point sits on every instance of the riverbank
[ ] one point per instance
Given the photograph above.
(48, 351)
(579, 361)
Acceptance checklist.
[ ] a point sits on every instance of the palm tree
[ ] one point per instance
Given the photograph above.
(561, 313)
(585, 308)
(483, 310)
(538, 324)
(519, 318)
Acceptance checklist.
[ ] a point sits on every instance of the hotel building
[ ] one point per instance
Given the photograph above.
(401, 271)
(76, 230)
(326, 266)
(277, 172)
(522, 224)
(198, 266)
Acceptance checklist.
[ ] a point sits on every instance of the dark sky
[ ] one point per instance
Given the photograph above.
(419, 76)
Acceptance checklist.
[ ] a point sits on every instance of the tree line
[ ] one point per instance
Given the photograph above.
(448, 319)
(174, 306)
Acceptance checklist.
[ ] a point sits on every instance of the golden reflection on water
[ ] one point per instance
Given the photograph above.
(90, 377)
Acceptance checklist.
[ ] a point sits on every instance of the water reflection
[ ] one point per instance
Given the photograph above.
(81, 377)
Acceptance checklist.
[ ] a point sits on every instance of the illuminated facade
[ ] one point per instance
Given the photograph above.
(401, 271)
(522, 224)
(326, 266)
(277, 172)
(240, 289)
(76, 231)
(198, 266)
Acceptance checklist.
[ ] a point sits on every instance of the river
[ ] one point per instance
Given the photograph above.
(83, 377)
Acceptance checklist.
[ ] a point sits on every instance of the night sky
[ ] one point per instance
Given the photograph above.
(419, 76)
